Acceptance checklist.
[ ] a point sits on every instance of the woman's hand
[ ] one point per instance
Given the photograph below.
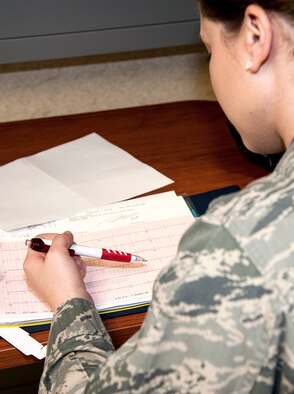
(56, 277)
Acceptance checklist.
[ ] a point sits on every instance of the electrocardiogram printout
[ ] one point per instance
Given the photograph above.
(112, 285)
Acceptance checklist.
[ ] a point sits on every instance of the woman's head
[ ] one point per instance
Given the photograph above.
(252, 52)
(231, 12)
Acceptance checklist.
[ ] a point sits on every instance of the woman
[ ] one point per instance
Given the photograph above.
(222, 318)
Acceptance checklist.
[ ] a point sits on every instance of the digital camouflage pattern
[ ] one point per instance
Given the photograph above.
(222, 315)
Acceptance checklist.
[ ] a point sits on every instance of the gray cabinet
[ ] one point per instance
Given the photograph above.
(50, 29)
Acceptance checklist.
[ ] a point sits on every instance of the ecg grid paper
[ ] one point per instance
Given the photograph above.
(110, 286)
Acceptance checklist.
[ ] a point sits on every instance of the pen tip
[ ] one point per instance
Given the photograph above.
(138, 259)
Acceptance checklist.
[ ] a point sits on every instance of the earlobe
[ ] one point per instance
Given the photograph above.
(258, 36)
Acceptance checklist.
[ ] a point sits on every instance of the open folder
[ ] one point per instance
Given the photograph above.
(148, 226)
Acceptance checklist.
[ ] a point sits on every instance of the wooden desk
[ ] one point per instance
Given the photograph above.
(187, 141)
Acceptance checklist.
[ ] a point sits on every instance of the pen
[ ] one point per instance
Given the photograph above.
(43, 245)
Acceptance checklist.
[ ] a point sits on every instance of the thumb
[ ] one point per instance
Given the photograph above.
(62, 242)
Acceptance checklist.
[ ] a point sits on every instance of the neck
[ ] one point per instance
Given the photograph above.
(283, 93)
(284, 106)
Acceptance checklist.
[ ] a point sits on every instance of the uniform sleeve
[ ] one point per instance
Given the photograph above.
(78, 342)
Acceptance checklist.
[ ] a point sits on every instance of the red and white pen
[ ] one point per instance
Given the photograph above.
(43, 245)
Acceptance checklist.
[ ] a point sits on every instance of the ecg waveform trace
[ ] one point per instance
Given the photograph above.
(110, 286)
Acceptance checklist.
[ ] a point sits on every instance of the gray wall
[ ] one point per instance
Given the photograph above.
(50, 29)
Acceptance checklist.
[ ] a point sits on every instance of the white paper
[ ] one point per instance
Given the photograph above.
(21, 340)
(79, 175)
(142, 209)
(29, 196)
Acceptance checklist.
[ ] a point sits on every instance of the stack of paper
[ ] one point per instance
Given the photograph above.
(46, 193)
(149, 226)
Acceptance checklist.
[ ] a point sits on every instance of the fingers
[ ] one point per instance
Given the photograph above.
(61, 241)
(81, 265)
(55, 276)
(35, 254)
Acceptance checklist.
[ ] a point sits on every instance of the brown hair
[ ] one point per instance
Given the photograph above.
(231, 12)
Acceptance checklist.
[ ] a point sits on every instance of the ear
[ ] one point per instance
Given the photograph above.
(258, 35)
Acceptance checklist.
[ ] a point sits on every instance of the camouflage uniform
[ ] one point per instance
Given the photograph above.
(222, 315)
